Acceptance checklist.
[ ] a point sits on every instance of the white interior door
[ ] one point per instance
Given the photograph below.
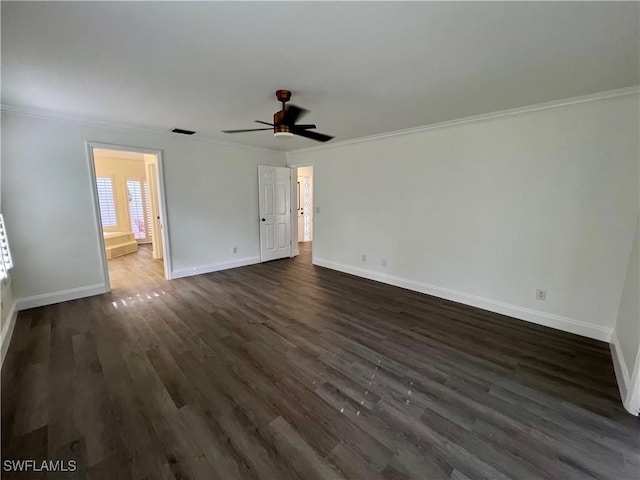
(274, 190)
(305, 214)
(152, 180)
(300, 202)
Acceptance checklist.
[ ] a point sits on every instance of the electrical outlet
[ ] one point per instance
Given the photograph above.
(363, 257)
(317, 209)
(234, 250)
(541, 294)
(383, 262)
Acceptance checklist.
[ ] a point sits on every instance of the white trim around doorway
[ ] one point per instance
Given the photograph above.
(313, 216)
(166, 254)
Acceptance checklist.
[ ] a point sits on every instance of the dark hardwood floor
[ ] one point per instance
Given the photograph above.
(284, 370)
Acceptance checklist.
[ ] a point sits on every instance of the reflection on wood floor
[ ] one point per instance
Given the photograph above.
(284, 370)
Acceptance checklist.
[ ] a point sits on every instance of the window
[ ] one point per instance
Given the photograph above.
(147, 203)
(5, 260)
(107, 202)
(139, 209)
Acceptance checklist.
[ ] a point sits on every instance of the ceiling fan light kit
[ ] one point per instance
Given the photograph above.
(279, 133)
(284, 122)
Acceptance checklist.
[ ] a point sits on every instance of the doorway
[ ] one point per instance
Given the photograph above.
(275, 208)
(131, 213)
(305, 211)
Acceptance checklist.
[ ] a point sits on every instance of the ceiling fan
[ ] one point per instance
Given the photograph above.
(284, 122)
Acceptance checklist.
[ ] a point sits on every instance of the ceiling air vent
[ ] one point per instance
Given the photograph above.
(183, 132)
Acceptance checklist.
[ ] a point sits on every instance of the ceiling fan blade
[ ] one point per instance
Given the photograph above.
(320, 137)
(246, 130)
(264, 123)
(304, 127)
(291, 114)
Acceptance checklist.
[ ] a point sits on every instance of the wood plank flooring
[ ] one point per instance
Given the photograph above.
(284, 370)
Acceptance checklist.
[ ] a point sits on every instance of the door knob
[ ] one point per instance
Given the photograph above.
(263, 220)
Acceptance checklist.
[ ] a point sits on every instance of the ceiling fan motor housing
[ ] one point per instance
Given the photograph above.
(283, 96)
(277, 118)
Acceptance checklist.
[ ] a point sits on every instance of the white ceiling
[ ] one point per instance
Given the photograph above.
(361, 68)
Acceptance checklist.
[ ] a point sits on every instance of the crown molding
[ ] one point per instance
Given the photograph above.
(80, 120)
(620, 92)
(64, 117)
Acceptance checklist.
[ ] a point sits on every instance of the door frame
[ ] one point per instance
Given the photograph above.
(294, 240)
(295, 251)
(151, 173)
(96, 206)
(632, 402)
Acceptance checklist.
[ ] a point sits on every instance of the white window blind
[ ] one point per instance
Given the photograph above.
(147, 204)
(5, 260)
(136, 209)
(107, 201)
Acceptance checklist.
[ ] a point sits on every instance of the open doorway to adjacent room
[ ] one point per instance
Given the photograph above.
(130, 211)
(305, 211)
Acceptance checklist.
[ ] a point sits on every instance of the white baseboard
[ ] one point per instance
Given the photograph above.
(61, 296)
(214, 267)
(534, 316)
(7, 332)
(628, 388)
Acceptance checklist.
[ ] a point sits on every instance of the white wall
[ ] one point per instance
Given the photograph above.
(305, 171)
(486, 212)
(626, 337)
(211, 193)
